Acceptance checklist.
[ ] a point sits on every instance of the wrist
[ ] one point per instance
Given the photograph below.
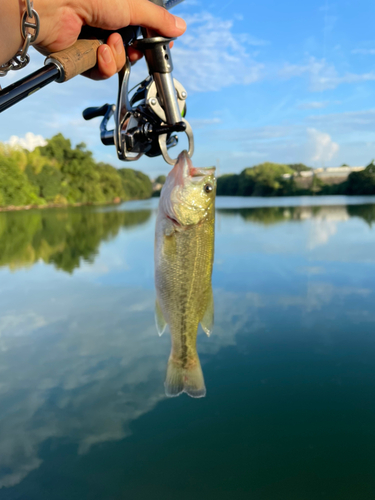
(10, 31)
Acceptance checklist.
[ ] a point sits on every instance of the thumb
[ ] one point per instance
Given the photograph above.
(148, 15)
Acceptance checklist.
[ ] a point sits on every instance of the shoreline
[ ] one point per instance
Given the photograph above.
(16, 208)
(268, 200)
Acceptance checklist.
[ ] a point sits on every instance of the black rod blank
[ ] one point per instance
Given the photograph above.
(28, 85)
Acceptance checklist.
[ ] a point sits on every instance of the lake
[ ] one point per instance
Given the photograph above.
(289, 370)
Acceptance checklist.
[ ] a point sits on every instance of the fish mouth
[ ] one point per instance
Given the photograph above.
(185, 167)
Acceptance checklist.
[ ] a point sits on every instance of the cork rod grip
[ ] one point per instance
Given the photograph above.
(77, 59)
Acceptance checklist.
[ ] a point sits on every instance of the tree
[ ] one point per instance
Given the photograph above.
(110, 182)
(262, 180)
(14, 186)
(160, 179)
(137, 185)
(299, 167)
(362, 182)
(47, 182)
(227, 185)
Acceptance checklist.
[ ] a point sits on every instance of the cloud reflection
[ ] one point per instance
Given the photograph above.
(87, 376)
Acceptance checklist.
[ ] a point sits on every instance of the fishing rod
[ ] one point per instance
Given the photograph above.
(145, 124)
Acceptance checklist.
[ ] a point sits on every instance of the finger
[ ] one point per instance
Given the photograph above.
(106, 66)
(146, 14)
(133, 54)
(116, 44)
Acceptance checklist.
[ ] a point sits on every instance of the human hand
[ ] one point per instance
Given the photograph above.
(61, 22)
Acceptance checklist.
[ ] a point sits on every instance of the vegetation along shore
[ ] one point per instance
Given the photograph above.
(57, 175)
(274, 179)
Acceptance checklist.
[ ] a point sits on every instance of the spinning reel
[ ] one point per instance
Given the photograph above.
(147, 122)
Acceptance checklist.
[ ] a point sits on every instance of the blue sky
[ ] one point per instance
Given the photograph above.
(267, 81)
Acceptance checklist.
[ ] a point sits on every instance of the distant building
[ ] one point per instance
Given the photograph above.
(330, 175)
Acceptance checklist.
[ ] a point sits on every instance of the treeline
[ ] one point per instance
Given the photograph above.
(267, 179)
(59, 174)
(63, 238)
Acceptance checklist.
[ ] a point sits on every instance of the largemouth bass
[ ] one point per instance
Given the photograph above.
(184, 254)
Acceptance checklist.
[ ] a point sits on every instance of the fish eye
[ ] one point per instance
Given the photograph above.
(208, 188)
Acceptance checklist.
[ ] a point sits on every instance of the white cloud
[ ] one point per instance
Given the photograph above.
(365, 52)
(322, 146)
(313, 105)
(203, 122)
(30, 141)
(210, 56)
(322, 75)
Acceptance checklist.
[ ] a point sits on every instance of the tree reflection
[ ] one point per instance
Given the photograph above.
(60, 237)
(366, 212)
(276, 215)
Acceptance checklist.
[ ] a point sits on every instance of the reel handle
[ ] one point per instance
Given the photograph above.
(93, 112)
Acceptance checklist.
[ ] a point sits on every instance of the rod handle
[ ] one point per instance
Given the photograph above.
(76, 59)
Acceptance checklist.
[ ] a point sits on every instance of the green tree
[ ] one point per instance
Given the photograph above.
(299, 167)
(228, 185)
(47, 182)
(262, 180)
(15, 188)
(111, 182)
(160, 179)
(362, 182)
(137, 185)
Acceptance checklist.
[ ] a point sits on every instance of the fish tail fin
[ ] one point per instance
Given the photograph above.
(189, 380)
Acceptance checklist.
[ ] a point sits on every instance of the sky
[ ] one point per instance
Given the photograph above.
(286, 82)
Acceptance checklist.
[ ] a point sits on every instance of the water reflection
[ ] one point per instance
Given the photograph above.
(82, 378)
(60, 237)
(66, 238)
(275, 215)
(82, 407)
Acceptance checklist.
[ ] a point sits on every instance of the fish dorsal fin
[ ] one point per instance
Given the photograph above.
(159, 319)
(207, 321)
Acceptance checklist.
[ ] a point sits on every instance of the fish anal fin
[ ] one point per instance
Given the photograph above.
(159, 319)
(207, 321)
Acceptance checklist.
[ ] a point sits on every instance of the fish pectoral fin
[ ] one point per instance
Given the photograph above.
(159, 319)
(169, 228)
(207, 321)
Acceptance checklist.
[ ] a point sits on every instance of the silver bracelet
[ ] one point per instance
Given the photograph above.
(22, 58)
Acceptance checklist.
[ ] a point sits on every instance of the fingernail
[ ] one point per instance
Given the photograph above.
(119, 46)
(180, 23)
(106, 55)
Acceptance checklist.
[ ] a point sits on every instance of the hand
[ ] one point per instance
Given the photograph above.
(61, 22)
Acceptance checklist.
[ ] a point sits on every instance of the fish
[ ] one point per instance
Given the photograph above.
(184, 255)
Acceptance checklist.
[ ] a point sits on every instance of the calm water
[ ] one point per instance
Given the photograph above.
(290, 369)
